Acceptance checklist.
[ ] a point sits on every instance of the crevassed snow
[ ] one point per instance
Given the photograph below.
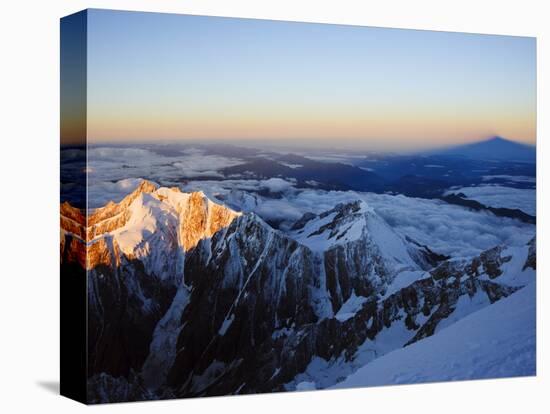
(500, 196)
(494, 342)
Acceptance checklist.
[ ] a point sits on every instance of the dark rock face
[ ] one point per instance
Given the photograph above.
(257, 281)
(488, 262)
(127, 296)
(355, 266)
(72, 251)
(446, 297)
(124, 306)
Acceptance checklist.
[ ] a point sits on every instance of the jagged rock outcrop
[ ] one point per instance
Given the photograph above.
(359, 252)
(258, 281)
(72, 235)
(72, 250)
(201, 218)
(72, 220)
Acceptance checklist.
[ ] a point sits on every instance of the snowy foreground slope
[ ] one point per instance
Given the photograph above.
(495, 342)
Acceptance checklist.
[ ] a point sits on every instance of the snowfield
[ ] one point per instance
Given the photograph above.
(495, 342)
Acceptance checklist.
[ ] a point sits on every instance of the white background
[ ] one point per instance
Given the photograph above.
(29, 281)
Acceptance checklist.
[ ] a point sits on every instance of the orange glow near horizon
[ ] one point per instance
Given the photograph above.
(423, 128)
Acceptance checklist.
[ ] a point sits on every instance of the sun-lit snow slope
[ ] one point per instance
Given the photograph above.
(497, 341)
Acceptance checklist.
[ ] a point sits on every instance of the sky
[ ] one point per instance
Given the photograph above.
(158, 77)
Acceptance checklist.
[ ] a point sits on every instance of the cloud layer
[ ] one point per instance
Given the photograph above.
(500, 196)
(109, 165)
(446, 228)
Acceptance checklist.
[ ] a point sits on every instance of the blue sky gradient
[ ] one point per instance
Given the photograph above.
(154, 76)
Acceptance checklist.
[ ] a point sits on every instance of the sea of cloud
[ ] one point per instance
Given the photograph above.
(501, 196)
(454, 230)
(112, 170)
(445, 228)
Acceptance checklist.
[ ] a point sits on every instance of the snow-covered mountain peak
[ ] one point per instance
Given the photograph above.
(147, 221)
(345, 223)
(112, 209)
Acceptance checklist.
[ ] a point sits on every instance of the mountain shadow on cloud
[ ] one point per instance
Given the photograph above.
(495, 148)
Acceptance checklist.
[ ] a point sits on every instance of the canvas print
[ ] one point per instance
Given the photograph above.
(253, 206)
